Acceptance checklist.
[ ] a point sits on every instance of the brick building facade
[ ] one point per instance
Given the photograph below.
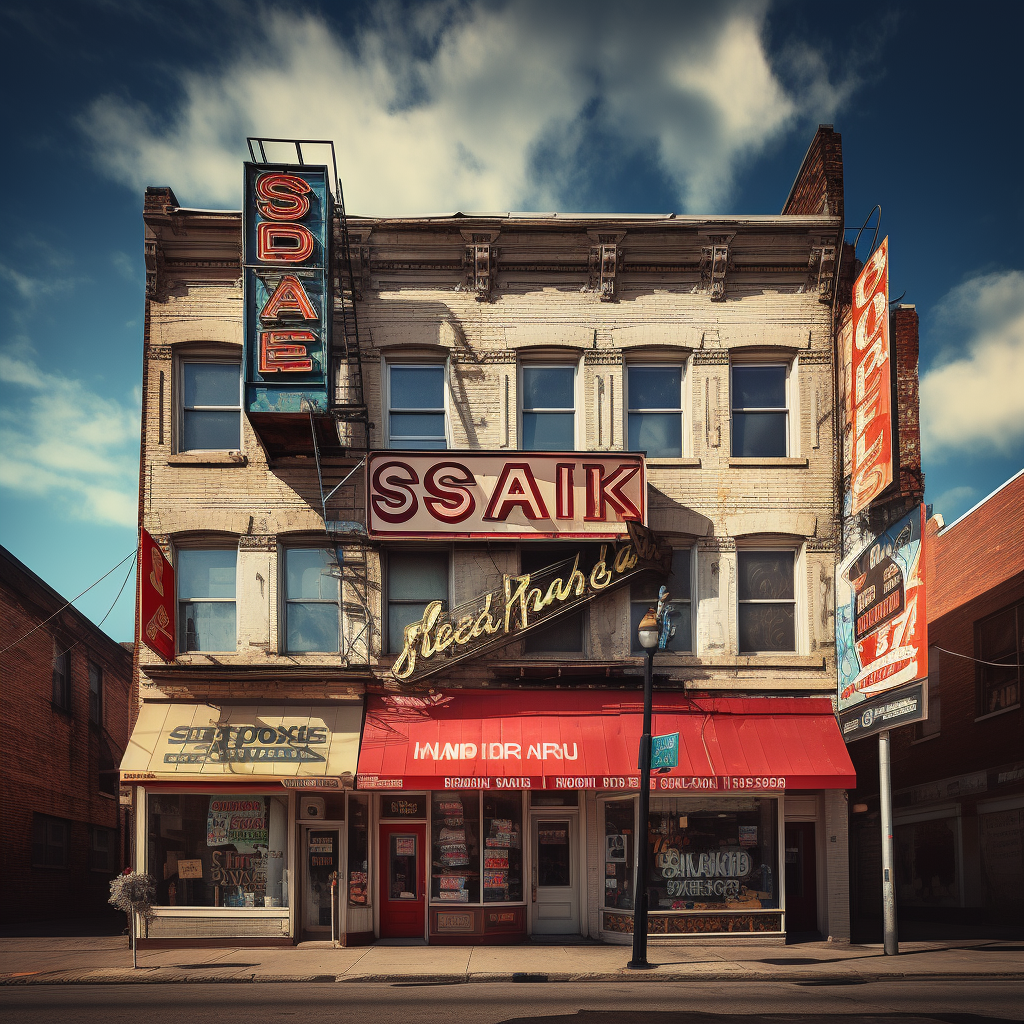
(705, 346)
(64, 698)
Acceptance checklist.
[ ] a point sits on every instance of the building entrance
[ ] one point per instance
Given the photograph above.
(801, 878)
(403, 880)
(556, 875)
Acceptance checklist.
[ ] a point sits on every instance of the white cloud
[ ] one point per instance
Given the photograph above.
(445, 106)
(61, 441)
(952, 503)
(972, 399)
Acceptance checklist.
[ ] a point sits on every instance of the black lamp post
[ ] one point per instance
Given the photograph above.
(648, 633)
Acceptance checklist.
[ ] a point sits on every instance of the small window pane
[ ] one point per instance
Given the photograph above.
(208, 431)
(416, 425)
(548, 387)
(658, 434)
(417, 576)
(759, 434)
(417, 387)
(312, 627)
(95, 693)
(206, 573)
(212, 384)
(655, 387)
(548, 431)
(209, 626)
(400, 616)
(767, 627)
(307, 575)
(563, 636)
(766, 575)
(759, 387)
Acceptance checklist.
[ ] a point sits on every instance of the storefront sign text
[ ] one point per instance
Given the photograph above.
(245, 743)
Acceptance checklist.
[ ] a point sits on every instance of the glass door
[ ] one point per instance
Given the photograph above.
(321, 864)
(556, 882)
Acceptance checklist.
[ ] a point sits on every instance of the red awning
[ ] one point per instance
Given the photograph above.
(588, 739)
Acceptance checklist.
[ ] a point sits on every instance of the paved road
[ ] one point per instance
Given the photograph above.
(962, 1001)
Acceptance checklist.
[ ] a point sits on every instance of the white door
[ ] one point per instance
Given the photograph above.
(556, 882)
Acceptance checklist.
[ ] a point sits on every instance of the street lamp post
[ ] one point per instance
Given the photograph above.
(648, 633)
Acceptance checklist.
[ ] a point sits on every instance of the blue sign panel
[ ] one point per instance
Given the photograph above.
(665, 751)
(287, 221)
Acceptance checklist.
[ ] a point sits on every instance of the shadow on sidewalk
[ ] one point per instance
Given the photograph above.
(74, 927)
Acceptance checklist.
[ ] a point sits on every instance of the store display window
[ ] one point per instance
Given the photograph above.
(619, 856)
(358, 851)
(218, 850)
(713, 854)
(476, 847)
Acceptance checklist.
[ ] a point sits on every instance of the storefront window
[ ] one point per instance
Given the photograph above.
(224, 850)
(926, 863)
(455, 850)
(358, 851)
(619, 862)
(503, 848)
(712, 854)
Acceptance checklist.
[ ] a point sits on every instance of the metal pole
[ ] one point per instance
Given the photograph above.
(639, 961)
(888, 882)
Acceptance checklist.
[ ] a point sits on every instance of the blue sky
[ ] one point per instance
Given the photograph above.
(597, 106)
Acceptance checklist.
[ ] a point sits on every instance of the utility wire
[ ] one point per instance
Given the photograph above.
(996, 664)
(132, 554)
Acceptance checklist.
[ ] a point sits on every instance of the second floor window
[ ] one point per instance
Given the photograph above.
(999, 640)
(645, 595)
(760, 412)
(565, 635)
(95, 693)
(549, 408)
(654, 396)
(312, 622)
(415, 578)
(416, 407)
(206, 599)
(767, 601)
(61, 675)
(211, 409)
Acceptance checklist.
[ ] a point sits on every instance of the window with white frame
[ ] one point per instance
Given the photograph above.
(206, 599)
(654, 416)
(211, 405)
(760, 410)
(61, 693)
(415, 578)
(767, 600)
(645, 595)
(548, 407)
(311, 600)
(416, 408)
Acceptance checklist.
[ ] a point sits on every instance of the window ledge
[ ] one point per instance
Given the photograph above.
(61, 709)
(785, 462)
(925, 739)
(996, 714)
(759, 661)
(208, 459)
(695, 463)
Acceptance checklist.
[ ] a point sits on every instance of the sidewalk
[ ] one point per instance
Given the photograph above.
(108, 960)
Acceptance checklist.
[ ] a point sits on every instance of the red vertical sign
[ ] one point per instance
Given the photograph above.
(157, 599)
(872, 469)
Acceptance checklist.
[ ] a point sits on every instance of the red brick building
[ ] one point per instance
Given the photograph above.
(64, 715)
(958, 779)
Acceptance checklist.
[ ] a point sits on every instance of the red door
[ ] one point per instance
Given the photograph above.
(403, 881)
(801, 878)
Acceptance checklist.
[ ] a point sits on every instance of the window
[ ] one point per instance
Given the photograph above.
(95, 693)
(565, 634)
(644, 595)
(211, 406)
(654, 396)
(415, 578)
(999, 638)
(61, 675)
(312, 622)
(50, 841)
(760, 416)
(206, 599)
(619, 830)
(549, 408)
(416, 407)
(767, 601)
(103, 849)
(358, 851)
(932, 725)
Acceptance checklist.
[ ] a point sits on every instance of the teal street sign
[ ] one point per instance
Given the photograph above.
(665, 751)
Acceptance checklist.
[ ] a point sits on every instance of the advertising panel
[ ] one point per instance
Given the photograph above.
(287, 221)
(506, 494)
(871, 384)
(881, 618)
(157, 599)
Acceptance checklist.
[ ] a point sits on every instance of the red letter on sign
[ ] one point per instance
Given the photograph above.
(452, 500)
(395, 504)
(564, 497)
(283, 243)
(516, 487)
(601, 489)
(285, 351)
(282, 196)
(289, 298)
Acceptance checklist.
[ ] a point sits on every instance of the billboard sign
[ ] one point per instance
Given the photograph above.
(900, 707)
(156, 599)
(871, 383)
(530, 495)
(881, 618)
(286, 225)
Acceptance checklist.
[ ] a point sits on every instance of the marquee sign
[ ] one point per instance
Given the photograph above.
(871, 383)
(156, 599)
(287, 302)
(881, 618)
(506, 494)
(522, 603)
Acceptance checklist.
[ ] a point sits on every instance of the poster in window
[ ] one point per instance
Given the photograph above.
(237, 821)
